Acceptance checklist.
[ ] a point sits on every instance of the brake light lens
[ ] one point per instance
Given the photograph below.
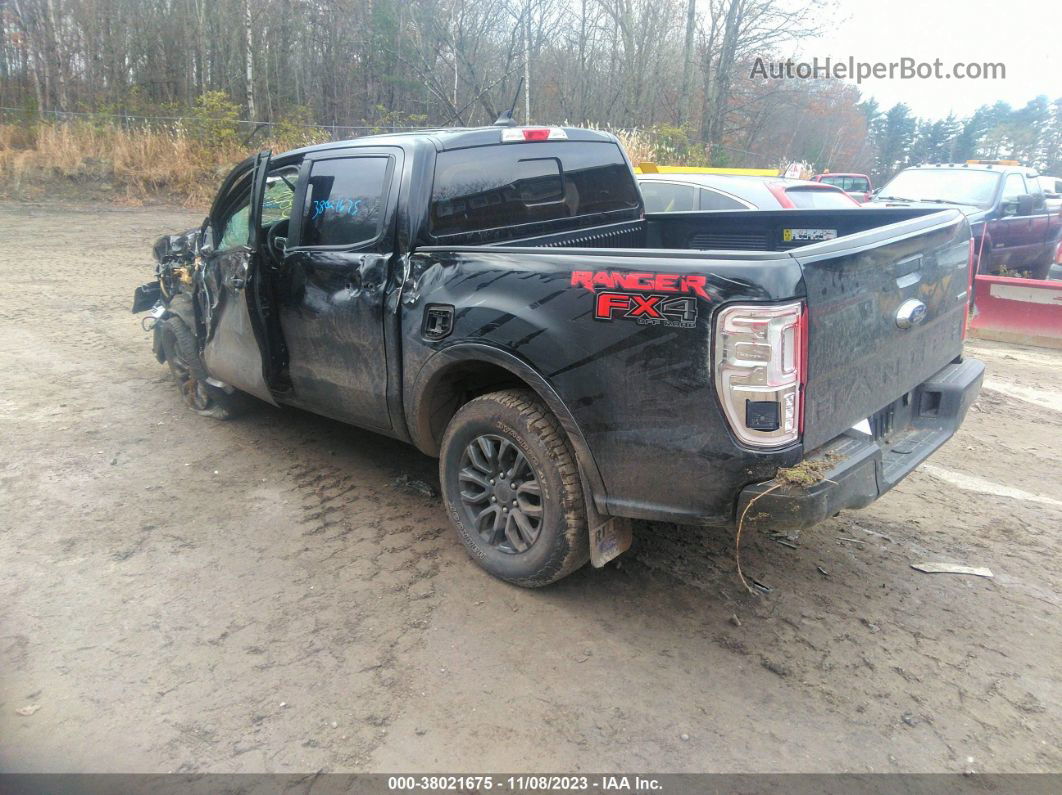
(514, 134)
(1058, 253)
(760, 371)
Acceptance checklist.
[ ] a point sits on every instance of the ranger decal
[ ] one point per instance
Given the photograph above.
(666, 299)
(690, 283)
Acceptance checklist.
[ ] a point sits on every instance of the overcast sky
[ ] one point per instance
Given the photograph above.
(1025, 35)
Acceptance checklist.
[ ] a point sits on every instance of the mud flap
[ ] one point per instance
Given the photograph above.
(610, 536)
(609, 540)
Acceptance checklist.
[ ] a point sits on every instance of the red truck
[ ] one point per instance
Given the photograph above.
(858, 186)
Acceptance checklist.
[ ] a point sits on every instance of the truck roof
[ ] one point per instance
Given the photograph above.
(444, 138)
(992, 167)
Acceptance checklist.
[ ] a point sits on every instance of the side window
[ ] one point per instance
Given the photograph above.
(1013, 187)
(714, 200)
(668, 197)
(857, 185)
(345, 201)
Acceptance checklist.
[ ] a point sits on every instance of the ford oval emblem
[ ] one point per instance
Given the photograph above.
(911, 313)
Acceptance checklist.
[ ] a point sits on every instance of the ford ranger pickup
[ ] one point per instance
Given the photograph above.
(498, 298)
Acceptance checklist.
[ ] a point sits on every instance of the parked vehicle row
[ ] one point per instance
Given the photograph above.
(499, 298)
(1015, 215)
(684, 192)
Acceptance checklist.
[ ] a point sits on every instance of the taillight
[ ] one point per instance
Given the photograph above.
(778, 191)
(514, 134)
(760, 370)
(1058, 253)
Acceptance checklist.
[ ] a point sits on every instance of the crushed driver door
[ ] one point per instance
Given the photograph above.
(236, 346)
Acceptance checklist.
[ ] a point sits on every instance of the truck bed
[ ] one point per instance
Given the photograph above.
(859, 360)
(723, 231)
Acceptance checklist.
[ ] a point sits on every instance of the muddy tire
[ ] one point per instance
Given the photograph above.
(182, 357)
(511, 487)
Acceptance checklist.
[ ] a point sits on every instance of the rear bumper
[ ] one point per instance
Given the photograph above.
(859, 467)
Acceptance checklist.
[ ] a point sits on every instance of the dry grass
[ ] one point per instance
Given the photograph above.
(131, 166)
(639, 144)
(79, 160)
(801, 475)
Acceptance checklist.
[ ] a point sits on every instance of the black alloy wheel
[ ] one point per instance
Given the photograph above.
(500, 494)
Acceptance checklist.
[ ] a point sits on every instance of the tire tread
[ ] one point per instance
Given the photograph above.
(573, 548)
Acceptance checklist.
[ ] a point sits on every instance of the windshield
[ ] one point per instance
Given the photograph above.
(943, 184)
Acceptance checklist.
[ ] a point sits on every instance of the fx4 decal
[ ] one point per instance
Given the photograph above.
(668, 299)
(650, 310)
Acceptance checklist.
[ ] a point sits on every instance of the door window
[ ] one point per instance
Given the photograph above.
(345, 201)
(1013, 187)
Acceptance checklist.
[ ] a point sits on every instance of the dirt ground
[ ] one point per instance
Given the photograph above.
(270, 594)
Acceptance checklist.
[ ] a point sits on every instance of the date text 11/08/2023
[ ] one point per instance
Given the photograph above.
(530, 783)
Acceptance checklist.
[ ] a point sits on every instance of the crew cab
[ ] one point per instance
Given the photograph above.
(498, 298)
(1015, 229)
(858, 186)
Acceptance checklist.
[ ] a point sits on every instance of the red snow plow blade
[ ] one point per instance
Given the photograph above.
(1026, 311)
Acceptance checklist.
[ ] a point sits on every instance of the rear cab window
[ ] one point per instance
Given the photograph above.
(487, 194)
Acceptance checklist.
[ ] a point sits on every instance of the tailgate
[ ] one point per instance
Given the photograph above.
(860, 288)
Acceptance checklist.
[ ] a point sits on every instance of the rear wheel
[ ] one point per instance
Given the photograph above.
(512, 489)
(182, 356)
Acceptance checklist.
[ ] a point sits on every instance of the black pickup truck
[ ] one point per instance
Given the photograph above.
(498, 298)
